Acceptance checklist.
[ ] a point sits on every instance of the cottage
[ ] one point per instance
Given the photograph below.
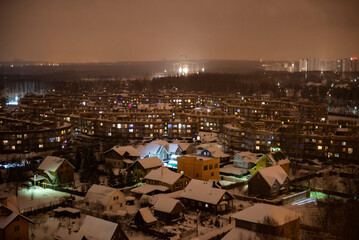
(98, 229)
(272, 159)
(159, 149)
(165, 177)
(13, 225)
(57, 171)
(110, 198)
(246, 160)
(148, 189)
(269, 219)
(206, 196)
(121, 156)
(145, 218)
(168, 210)
(143, 166)
(269, 182)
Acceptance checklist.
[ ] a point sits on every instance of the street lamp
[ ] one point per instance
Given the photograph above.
(35, 180)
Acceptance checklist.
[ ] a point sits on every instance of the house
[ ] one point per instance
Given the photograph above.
(144, 218)
(279, 158)
(153, 149)
(206, 196)
(168, 210)
(214, 151)
(56, 170)
(148, 189)
(121, 156)
(186, 148)
(110, 198)
(13, 225)
(272, 159)
(201, 167)
(246, 160)
(142, 167)
(268, 219)
(269, 182)
(94, 228)
(165, 177)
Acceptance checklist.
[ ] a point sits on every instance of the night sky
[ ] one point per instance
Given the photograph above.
(145, 30)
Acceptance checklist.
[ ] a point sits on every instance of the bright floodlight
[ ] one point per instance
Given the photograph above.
(203, 69)
(185, 70)
(180, 70)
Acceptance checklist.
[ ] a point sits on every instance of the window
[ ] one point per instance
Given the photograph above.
(212, 174)
(320, 147)
(210, 166)
(119, 125)
(17, 228)
(205, 168)
(216, 165)
(130, 130)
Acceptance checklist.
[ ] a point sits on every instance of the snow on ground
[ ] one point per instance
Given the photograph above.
(34, 196)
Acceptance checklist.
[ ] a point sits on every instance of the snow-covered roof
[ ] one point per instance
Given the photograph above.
(121, 150)
(151, 162)
(150, 148)
(147, 215)
(51, 163)
(203, 191)
(163, 143)
(7, 215)
(100, 193)
(277, 158)
(147, 188)
(217, 152)
(165, 204)
(270, 174)
(173, 147)
(184, 146)
(249, 157)
(97, 228)
(258, 212)
(163, 174)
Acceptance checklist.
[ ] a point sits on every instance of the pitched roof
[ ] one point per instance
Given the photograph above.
(258, 212)
(151, 162)
(249, 157)
(51, 163)
(277, 158)
(7, 215)
(203, 191)
(150, 148)
(148, 188)
(121, 150)
(97, 228)
(100, 193)
(147, 216)
(217, 152)
(270, 174)
(163, 174)
(165, 204)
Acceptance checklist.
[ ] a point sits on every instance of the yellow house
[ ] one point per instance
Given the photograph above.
(272, 159)
(261, 162)
(199, 167)
(111, 199)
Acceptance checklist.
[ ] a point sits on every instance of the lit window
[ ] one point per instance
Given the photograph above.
(13, 147)
(257, 147)
(344, 143)
(350, 150)
(130, 130)
(41, 145)
(130, 125)
(119, 125)
(5, 142)
(320, 147)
